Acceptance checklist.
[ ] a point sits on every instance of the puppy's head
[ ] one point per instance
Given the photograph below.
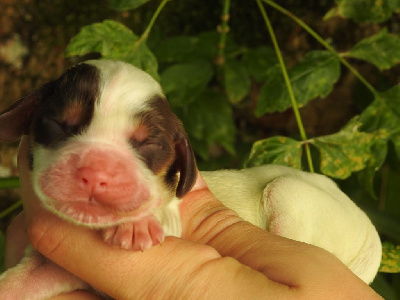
(105, 146)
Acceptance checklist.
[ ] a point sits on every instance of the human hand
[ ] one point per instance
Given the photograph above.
(218, 256)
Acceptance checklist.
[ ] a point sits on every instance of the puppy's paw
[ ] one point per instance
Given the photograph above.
(138, 235)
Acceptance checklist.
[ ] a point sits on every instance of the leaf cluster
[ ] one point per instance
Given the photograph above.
(191, 65)
(208, 75)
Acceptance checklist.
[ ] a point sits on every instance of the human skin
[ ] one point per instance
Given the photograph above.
(219, 256)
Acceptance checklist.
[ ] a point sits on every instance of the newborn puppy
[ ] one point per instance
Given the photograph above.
(108, 153)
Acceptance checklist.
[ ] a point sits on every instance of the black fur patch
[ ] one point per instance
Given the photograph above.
(67, 105)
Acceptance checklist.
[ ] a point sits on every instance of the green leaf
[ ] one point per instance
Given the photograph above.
(390, 198)
(110, 38)
(346, 151)
(177, 49)
(333, 12)
(312, 77)
(386, 223)
(114, 40)
(258, 61)
(379, 150)
(143, 58)
(276, 150)
(392, 98)
(123, 5)
(379, 115)
(381, 118)
(200, 148)
(384, 113)
(390, 258)
(365, 10)
(237, 81)
(381, 49)
(185, 48)
(182, 83)
(382, 285)
(208, 45)
(209, 119)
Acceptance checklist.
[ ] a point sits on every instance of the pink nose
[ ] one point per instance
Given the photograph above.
(93, 181)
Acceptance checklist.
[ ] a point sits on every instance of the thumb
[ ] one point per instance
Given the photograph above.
(203, 216)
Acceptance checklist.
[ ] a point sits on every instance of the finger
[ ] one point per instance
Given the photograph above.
(200, 211)
(16, 241)
(303, 267)
(30, 201)
(177, 266)
(119, 270)
(206, 220)
(81, 295)
(200, 184)
(120, 273)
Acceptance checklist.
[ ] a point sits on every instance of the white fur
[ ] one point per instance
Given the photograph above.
(170, 219)
(302, 206)
(305, 207)
(46, 158)
(124, 91)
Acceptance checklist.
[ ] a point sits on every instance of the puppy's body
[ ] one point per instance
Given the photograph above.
(108, 153)
(304, 207)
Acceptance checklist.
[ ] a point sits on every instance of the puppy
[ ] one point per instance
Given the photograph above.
(108, 153)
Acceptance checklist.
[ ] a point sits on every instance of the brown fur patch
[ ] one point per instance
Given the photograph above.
(73, 114)
(66, 105)
(166, 149)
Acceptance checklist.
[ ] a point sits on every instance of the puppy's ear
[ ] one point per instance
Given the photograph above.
(15, 120)
(185, 164)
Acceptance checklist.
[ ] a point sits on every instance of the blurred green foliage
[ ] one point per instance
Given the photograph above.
(209, 75)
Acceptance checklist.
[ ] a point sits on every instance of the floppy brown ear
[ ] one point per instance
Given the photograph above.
(15, 120)
(185, 164)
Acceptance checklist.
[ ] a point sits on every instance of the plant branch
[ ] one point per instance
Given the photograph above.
(10, 209)
(323, 43)
(146, 32)
(223, 29)
(288, 84)
(9, 183)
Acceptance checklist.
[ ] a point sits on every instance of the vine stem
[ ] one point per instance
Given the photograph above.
(288, 85)
(9, 183)
(323, 43)
(146, 33)
(10, 209)
(223, 29)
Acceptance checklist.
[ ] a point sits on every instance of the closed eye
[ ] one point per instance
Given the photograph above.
(152, 145)
(51, 131)
(146, 145)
